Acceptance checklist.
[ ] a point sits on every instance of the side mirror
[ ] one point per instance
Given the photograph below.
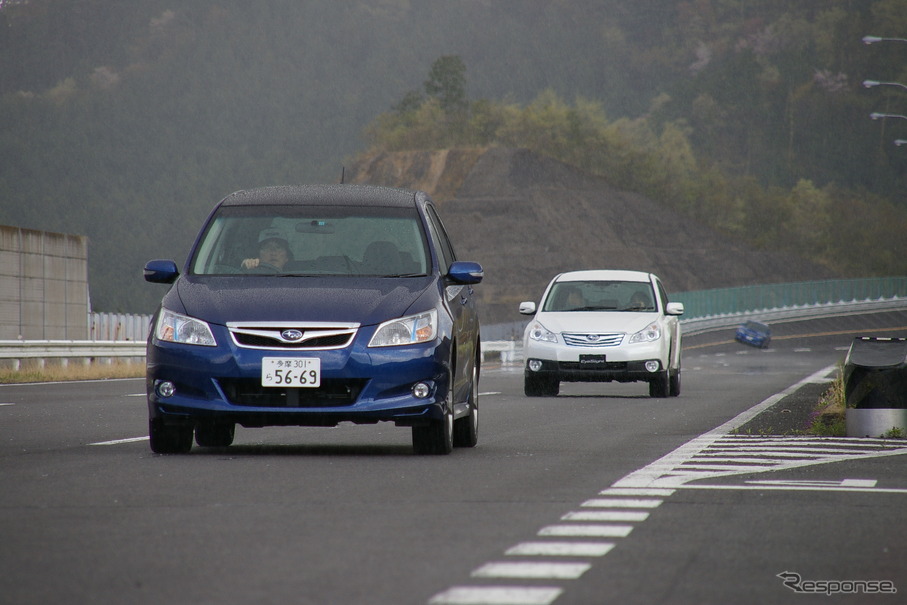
(464, 272)
(161, 271)
(674, 308)
(527, 308)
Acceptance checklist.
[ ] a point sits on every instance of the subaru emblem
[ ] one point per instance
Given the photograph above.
(291, 335)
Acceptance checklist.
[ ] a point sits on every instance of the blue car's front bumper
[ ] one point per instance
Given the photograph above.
(358, 384)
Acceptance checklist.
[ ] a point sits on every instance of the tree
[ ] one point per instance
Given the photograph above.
(447, 83)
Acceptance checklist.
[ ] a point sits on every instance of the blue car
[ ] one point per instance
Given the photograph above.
(311, 306)
(754, 333)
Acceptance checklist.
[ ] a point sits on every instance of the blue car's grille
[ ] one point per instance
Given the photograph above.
(265, 342)
(331, 393)
(593, 340)
(292, 336)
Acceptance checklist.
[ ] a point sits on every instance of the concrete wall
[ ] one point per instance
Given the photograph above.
(43, 285)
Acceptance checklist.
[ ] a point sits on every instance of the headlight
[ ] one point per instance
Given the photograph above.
(173, 327)
(406, 330)
(650, 334)
(541, 333)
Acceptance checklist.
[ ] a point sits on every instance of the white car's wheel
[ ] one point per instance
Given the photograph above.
(675, 383)
(540, 386)
(659, 386)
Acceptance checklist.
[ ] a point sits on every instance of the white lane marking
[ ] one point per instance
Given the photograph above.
(858, 483)
(532, 569)
(741, 455)
(3, 404)
(653, 475)
(618, 503)
(798, 488)
(607, 515)
(121, 441)
(489, 393)
(866, 486)
(497, 595)
(636, 491)
(587, 531)
(55, 382)
(561, 549)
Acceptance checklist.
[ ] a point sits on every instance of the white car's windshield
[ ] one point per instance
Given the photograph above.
(310, 240)
(600, 296)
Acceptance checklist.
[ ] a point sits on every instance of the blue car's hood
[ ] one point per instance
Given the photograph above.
(365, 301)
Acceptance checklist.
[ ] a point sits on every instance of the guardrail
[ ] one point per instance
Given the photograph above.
(84, 351)
(759, 298)
(705, 310)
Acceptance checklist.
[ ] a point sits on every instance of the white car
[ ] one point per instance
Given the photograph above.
(603, 326)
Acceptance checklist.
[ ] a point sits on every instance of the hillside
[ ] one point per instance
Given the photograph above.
(127, 121)
(526, 218)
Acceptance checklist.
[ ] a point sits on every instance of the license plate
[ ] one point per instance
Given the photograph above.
(592, 360)
(291, 372)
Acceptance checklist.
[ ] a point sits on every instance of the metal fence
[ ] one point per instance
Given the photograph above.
(118, 326)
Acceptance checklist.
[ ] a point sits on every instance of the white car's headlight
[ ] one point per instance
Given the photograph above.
(173, 327)
(541, 333)
(650, 334)
(406, 330)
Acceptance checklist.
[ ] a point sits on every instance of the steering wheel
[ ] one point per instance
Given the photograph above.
(264, 268)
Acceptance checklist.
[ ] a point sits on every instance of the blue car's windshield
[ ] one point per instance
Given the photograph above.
(600, 296)
(309, 240)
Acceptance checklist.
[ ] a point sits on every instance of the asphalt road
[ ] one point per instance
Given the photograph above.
(601, 495)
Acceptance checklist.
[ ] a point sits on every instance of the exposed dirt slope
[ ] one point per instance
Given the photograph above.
(526, 218)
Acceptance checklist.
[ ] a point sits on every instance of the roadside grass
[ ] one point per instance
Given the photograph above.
(828, 415)
(33, 372)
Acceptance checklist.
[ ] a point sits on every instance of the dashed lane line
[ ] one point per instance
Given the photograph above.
(121, 441)
(497, 595)
(596, 530)
(560, 549)
(538, 570)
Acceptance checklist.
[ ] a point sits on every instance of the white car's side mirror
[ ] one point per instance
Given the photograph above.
(527, 308)
(674, 308)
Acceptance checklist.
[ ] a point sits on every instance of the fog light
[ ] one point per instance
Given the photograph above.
(421, 390)
(535, 365)
(166, 389)
(652, 365)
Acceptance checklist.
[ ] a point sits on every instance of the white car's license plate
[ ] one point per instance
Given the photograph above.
(290, 372)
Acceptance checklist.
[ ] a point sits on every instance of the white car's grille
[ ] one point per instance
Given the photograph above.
(593, 340)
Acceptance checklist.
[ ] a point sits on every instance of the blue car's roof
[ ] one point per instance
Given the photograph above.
(321, 195)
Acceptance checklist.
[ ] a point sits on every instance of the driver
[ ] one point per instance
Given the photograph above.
(273, 251)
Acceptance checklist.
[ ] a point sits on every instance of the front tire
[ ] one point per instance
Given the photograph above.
(466, 429)
(169, 438)
(675, 383)
(541, 386)
(215, 434)
(436, 437)
(660, 386)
